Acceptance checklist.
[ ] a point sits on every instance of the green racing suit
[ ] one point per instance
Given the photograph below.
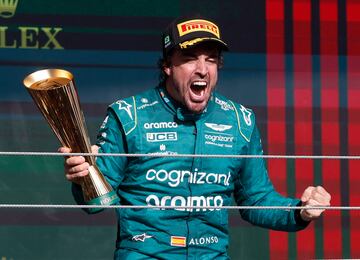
(152, 123)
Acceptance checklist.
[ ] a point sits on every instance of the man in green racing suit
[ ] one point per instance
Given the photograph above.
(184, 115)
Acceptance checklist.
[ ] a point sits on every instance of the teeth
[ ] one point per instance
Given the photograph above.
(199, 83)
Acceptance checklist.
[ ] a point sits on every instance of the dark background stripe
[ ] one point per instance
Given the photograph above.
(315, 36)
(343, 121)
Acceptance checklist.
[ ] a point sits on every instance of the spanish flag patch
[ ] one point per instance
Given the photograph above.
(178, 241)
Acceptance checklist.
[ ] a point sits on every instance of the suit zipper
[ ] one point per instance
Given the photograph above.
(192, 170)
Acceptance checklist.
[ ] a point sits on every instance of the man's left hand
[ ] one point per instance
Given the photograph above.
(314, 196)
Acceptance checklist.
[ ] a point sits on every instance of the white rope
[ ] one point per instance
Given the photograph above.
(322, 157)
(69, 206)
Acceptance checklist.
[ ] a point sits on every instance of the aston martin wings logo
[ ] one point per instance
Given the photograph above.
(125, 106)
(141, 237)
(218, 127)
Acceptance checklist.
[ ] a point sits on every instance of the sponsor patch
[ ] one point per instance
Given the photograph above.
(204, 240)
(224, 105)
(160, 125)
(162, 94)
(218, 127)
(186, 44)
(141, 237)
(161, 137)
(198, 25)
(174, 177)
(145, 105)
(224, 140)
(163, 153)
(162, 147)
(167, 41)
(219, 138)
(194, 203)
(178, 241)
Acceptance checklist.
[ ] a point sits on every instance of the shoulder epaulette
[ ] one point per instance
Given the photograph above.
(246, 120)
(125, 109)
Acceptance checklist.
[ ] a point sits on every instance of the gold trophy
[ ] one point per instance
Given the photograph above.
(55, 94)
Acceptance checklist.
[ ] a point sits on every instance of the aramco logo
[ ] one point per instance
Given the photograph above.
(8, 8)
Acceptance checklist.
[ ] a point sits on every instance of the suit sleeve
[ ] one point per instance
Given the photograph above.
(110, 139)
(254, 188)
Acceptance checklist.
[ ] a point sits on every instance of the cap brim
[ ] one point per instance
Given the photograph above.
(196, 41)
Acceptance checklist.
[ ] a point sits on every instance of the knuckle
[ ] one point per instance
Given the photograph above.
(76, 169)
(309, 190)
(329, 197)
(320, 189)
(68, 161)
(83, 173)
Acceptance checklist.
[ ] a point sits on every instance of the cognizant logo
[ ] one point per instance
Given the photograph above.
(191, 201)
(174, 177)
(220, 138)
(160, 125)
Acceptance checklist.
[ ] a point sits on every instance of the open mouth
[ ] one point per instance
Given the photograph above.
(198, 88)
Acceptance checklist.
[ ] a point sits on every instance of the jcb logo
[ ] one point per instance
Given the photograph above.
(161, 137)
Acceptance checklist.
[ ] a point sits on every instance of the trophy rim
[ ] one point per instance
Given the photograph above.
(45, 74)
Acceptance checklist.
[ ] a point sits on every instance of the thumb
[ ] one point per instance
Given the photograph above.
(95, 149)
(307, 194)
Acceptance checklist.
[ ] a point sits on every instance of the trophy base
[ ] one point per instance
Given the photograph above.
(109, 198)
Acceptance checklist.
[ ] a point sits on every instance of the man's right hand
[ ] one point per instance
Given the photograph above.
(76, 166)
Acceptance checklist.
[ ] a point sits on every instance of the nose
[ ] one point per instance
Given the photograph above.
(201, 67)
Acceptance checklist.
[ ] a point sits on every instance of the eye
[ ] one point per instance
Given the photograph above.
(189, 57)
(213, 59)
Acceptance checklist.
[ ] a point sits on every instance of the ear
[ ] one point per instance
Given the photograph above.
(167, 70)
